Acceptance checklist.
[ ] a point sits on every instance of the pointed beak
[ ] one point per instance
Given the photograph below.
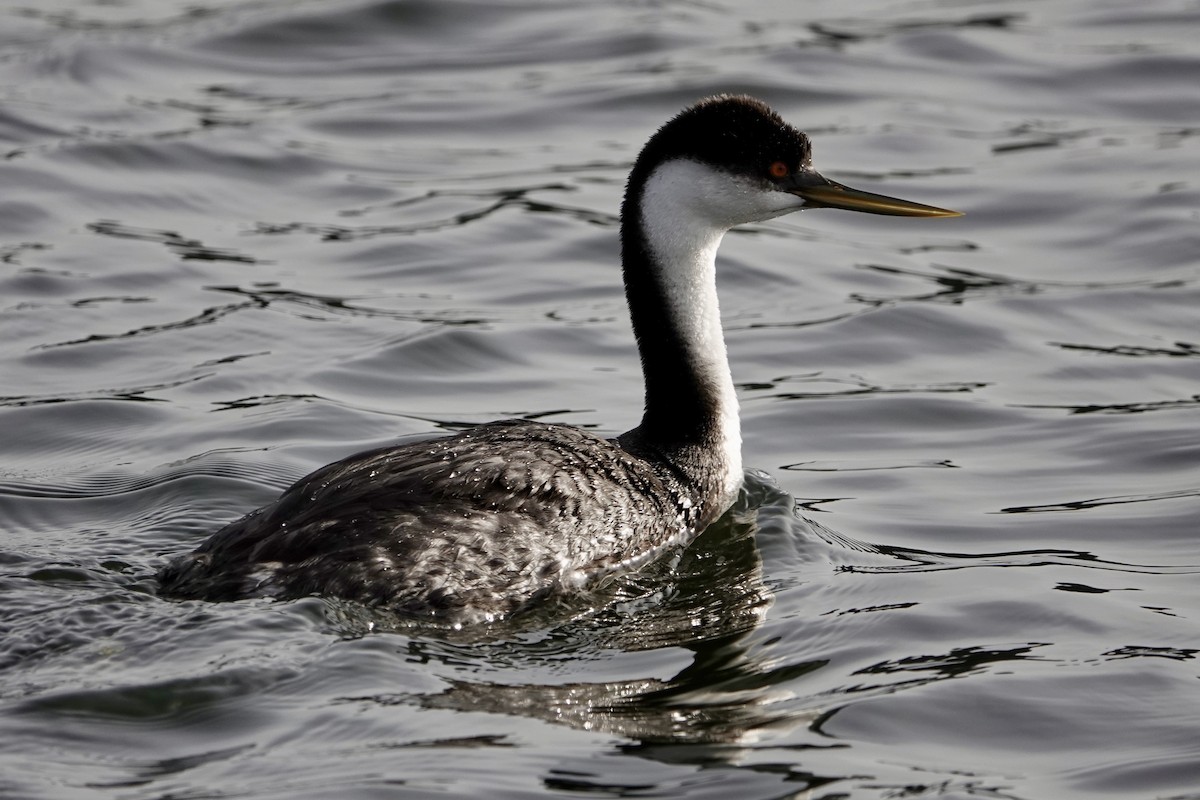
(820, 192)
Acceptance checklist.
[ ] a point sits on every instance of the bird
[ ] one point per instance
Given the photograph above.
(481, 525)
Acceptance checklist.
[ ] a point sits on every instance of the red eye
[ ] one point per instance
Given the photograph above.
(778, 170)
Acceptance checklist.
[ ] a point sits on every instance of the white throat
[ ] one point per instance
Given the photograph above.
(686, 209)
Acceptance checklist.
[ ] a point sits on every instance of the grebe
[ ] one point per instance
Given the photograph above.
(472, 527)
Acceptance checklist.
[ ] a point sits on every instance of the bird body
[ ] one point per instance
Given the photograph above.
(475, 526)
(468, 527)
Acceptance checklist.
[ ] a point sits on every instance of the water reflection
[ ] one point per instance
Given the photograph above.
(707, 602)
(739, 682)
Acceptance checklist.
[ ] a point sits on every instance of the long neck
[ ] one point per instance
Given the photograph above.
(668, 252)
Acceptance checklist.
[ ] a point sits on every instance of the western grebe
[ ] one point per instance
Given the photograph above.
(471, 527)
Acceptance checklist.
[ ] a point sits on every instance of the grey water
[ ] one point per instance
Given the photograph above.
(242, 238)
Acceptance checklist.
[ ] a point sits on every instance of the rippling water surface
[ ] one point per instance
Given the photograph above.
(242, 238)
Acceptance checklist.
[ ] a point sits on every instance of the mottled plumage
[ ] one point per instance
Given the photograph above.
(462, 528)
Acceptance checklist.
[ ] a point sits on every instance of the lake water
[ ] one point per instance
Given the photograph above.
(242, 238)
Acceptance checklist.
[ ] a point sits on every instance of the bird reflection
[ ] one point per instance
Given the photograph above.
(708, 602)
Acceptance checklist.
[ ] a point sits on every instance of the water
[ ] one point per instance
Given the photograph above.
(242, 238)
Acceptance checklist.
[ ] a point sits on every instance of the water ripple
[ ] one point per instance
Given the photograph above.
(927, 561)
(181, 246)
(275, 233)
